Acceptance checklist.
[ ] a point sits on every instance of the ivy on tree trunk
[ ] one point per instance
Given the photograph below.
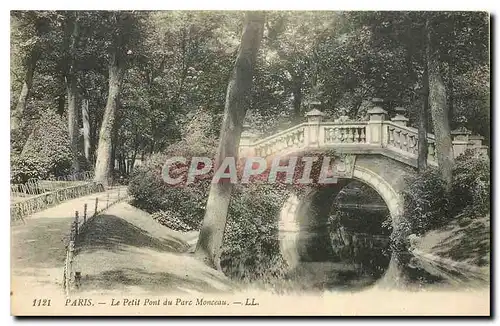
(439, 110)
(209, 246)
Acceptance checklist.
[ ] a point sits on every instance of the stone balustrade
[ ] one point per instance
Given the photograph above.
(390, 136)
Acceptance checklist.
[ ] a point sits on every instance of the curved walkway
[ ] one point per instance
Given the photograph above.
(38, 248)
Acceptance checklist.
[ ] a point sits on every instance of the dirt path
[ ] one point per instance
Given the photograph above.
(126, 251)
(38, 247)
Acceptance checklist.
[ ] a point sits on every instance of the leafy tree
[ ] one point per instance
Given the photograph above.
(124, 29)
(212, 231)
(47, 152)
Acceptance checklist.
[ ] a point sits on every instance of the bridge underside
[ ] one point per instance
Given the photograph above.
(304, 234)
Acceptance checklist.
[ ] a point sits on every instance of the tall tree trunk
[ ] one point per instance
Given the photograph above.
(71, 90)
(209, 244)
(114, 147)
(30, 62)
(61, 102)
(86, 128)
(297, 102)
(451, 99)
(439, 111)
(73, 129)
(423, 149)
(116, 72)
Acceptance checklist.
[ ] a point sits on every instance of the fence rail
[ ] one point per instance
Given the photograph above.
(19, 210)
(38, 186)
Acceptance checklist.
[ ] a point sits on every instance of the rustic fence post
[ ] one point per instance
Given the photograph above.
(85, 213)
(107, 200)
(76, 224)
(69, 279)
(118, 193)
(66, 272)
(96, 203)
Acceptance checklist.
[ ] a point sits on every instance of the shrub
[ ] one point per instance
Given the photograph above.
(427, 206)
(471, 185)
(425, 202)
(47, 151)
(251, 245)
(152, 194)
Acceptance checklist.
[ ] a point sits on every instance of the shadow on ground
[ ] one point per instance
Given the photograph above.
(150, 282)
(111, 233)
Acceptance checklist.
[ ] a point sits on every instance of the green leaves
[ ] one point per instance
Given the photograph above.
(46, 153)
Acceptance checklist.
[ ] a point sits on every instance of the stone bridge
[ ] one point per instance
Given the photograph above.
(381, 153)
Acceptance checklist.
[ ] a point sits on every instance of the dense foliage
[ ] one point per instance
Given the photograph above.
(427, 205)
(180, 62)
(46, 152)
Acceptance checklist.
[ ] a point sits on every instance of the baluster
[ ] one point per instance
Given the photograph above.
(363, 136)
(398, 138)
(411, 142)
(281, 144)
(351, 135)
(274, 145)
(404, 141)
(357, 135)
(336, 135)
(430, 153)
(343, 135)
(390, 139)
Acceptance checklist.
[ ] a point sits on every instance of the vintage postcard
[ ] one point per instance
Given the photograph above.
(232, 163)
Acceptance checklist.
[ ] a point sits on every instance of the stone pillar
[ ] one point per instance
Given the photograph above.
(376, 133)
(246, 141)
(460, 140)
(400, 118)
(314, 119)
(476, 143)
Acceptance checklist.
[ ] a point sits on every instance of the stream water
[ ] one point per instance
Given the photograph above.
(361, 253)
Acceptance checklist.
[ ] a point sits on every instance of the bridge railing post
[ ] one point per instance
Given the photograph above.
(400, 118)
(246, 141)
(460, 140)
(312, 134)
(476, 142)
(376, 133)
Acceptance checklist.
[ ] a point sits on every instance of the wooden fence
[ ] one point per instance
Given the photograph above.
(71, 277)
(20, 210)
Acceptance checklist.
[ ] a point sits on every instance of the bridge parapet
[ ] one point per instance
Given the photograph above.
(377, 134)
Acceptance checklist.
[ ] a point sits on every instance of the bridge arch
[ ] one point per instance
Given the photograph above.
(300, 214)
